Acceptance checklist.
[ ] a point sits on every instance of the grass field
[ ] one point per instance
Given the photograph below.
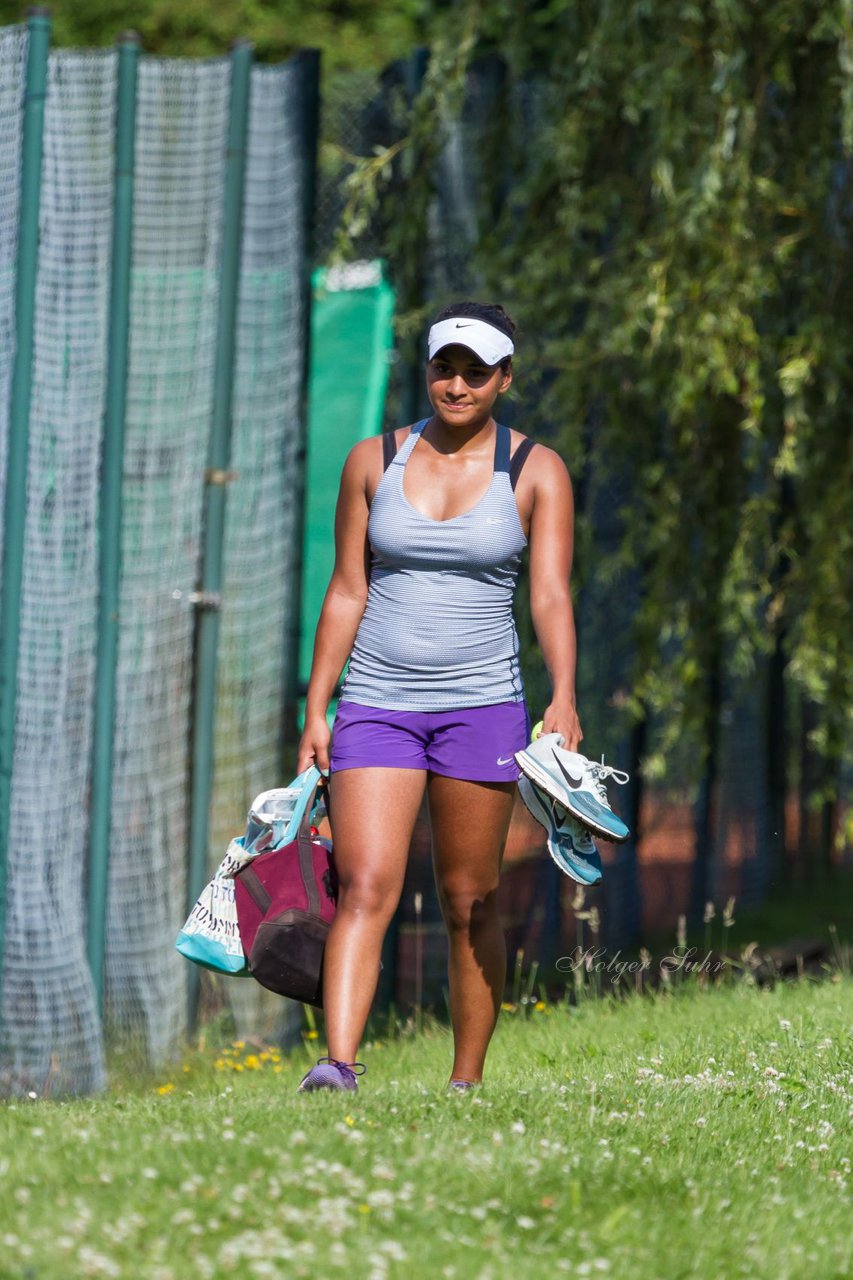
(704, 1133)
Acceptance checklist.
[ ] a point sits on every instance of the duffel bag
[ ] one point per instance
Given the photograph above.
(285, 904)
(211, 936)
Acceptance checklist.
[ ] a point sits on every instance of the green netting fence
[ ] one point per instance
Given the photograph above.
(56, 1025)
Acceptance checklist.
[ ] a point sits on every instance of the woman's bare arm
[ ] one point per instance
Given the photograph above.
(343, 604)
(551, 541)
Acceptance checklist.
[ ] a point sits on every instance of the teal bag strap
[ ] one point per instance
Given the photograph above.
(319, 787)
(307, 782)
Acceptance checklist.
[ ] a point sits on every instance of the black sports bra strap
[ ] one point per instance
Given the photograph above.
(389, 448)
(518, 460)
(389, 442)
(503, 444)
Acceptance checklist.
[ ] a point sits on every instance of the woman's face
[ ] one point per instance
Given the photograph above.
(462, 390)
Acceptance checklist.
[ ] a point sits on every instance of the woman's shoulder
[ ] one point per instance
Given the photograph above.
(368, 458)
(540, 458)
(397, 435)
(373, 446)
(367, 452)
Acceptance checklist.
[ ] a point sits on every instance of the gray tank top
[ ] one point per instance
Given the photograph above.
(437, 632)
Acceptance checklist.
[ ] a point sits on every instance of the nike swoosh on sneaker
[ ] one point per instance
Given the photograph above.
(573, 782)
(507, 761)
(463, 326)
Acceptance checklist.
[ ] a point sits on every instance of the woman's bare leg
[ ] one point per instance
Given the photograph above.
(373, 813)
(470, 821)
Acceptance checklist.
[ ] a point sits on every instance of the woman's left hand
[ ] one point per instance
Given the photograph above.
(561, 717)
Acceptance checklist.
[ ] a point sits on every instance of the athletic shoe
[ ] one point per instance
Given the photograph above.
(331, 1074)
(462, 1084)
(569, 844)
(576, 783)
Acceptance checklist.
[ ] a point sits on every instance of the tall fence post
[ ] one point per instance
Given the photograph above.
(309, 127)
(112, 461)
(208, 596)
(412, 286)
(17, 454)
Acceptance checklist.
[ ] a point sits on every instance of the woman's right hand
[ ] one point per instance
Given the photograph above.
(314, 745)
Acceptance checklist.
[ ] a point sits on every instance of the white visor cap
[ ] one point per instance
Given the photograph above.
(487, 342)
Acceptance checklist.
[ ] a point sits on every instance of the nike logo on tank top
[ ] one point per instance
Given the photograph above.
(438, 631)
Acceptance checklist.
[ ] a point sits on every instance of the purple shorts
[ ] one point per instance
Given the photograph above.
(476, 744)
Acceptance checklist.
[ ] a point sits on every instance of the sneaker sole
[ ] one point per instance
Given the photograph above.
(324, 1088)
(543, 779)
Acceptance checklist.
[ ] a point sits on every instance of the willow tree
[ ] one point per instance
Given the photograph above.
(672, 224)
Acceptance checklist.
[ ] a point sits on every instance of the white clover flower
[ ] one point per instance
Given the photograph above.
(394, 1250)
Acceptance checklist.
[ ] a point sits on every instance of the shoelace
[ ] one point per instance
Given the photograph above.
(600, 772)
(348, 1068)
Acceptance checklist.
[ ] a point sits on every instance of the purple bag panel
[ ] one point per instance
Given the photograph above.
(285, 903)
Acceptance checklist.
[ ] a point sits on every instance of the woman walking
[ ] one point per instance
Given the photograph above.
(430, 526)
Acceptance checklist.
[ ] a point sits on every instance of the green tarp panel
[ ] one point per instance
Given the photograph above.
(351, 343)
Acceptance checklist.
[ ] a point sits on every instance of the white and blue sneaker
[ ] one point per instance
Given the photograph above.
(569, 844)
(575, 783)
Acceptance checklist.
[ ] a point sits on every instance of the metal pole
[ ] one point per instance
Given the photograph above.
(17, 456)
(112, 460)
(207, 597)
(309, 127)
(412, 288)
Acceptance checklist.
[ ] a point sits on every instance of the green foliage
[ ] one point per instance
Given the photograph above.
(410, 162)
(671, 225)
(677, 238)
(351, 33)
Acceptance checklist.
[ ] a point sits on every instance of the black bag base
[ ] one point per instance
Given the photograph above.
(287, 956)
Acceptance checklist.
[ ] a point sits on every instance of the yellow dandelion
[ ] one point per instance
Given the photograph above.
(364, 1208)
(539, 1006)
(349, 1120)
(186, 1068)
(278, 1070)
(239, 1044)
(252, 1062)
(238, 1066)
(165, 1088)
(510, 1008)
(311, 1035)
